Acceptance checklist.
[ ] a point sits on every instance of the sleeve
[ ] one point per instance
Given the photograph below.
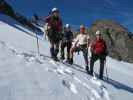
(77, 38)
(88, 37)
(71, 36)
(61, 26)
(47, 19)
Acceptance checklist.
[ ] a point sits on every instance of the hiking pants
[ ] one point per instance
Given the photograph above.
(63, 45)
(93, 59)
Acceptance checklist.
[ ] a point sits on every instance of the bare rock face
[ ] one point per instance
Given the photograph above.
(120, 44)
(5, 8)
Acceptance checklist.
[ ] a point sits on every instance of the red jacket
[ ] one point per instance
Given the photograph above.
(98, 47)
(55, 24)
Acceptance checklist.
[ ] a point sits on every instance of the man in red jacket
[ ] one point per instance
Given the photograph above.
(54, 32)
(98, 51)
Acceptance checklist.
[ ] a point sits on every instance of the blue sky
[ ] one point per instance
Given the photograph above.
(78, 12)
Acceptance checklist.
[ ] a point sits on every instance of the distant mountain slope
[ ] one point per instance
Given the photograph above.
(120, 46)
(6, 9)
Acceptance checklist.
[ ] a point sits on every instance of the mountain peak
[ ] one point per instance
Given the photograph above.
(109, 24)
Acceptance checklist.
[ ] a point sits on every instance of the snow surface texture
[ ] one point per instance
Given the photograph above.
(26, 76)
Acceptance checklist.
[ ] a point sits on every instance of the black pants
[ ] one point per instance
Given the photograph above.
(93, 59)
(63, 45)
(54, 39)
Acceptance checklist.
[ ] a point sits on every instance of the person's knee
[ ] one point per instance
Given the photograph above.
(51, 42)
(68, 48)
(57, 45)
(102, 64)
(57, 50)
(69, 45)
(85, 53)
(72, 50)
(102, 60)
(51, 45)
(62, 46)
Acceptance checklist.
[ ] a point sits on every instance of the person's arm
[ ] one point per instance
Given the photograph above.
(61, 26)
(47, 21)
(71, 36)
(76, 41)
(61, 29)
(92, 47)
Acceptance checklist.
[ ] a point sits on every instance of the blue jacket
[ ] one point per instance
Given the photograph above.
(67, 36)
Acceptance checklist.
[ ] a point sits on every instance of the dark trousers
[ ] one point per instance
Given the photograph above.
(54, 39)
(93, 59)
(68, 46)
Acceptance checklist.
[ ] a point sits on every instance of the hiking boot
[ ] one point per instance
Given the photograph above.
(67, 61)
(62, 58)
(90, 73)
(71, 61)
(55, 58)
(56, 52)
(101, 77)
(87, 68)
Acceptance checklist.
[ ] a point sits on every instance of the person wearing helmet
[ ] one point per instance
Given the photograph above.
(54, 32)
(98, 51)
(66, 42)
(81, 44)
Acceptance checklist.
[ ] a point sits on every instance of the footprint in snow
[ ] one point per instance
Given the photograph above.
(53, 62)
(30, 58)
(68, 71)
(61, 69)
(93, 91)
(70, 86)
(101, 88)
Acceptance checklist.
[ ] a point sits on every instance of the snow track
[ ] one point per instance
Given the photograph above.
(25, 76)
(68, 76)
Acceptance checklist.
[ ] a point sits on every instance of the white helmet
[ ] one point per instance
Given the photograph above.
(98, 32)
(55, 10)
(67, 26)
(82, 26)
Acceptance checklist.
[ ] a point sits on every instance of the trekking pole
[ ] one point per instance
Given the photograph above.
(107, 76)
(38, 51)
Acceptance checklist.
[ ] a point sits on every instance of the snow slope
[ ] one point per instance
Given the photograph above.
(25, 76)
